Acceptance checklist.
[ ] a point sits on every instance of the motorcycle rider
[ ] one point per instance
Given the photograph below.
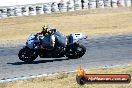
(44, 31)
(48, 40)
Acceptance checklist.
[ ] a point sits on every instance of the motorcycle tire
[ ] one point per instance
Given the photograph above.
(27, 55)
(74, 54)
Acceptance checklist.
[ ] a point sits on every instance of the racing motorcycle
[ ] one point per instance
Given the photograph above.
(65, 46)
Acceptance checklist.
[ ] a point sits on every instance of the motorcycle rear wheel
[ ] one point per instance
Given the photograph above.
(75, 52)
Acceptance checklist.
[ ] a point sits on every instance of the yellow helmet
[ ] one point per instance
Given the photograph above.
(44, 28)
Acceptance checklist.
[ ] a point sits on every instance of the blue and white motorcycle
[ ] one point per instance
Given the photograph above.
(65, 46)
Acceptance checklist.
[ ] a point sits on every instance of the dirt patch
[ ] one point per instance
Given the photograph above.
(92, 22)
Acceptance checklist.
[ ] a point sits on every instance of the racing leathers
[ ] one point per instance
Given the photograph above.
(48, 39)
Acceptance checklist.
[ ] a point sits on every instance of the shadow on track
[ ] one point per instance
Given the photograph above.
(37, 62)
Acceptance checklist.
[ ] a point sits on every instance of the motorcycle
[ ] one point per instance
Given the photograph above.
(65, 46)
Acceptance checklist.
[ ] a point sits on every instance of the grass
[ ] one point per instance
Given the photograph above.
(92, 22)
(68, 80)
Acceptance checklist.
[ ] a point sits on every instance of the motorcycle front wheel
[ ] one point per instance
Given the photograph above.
(27, 55)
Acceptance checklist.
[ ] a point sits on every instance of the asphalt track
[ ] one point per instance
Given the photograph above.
(101, 51)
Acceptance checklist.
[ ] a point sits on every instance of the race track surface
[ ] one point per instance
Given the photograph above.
(100, 52)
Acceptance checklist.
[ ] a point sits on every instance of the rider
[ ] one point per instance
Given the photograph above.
(44, 31)
(48, 37)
